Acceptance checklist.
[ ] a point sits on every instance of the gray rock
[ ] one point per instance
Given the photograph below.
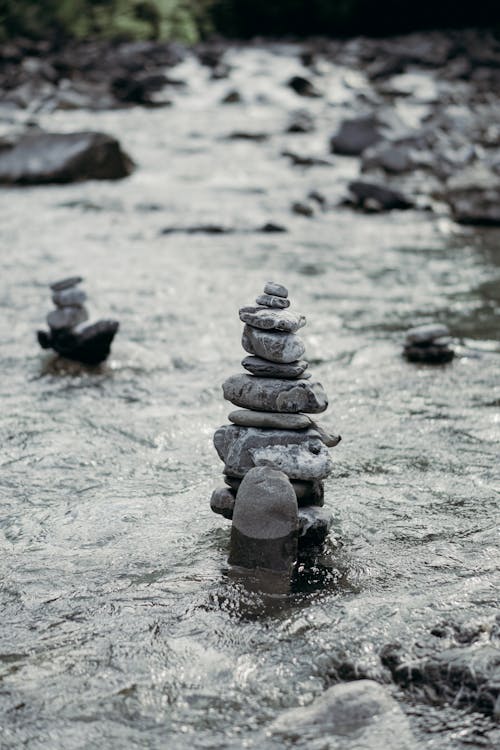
(355, 135)
(359, 714)
(71, 281)
(426, 333)
(314, 524)
(271, 394)
(69, 297)
(274, 289)
(385, 198)
(66, 317)
(222, 501)
(329, 439)
(272, 345)
(271, 300)
(474, 196)
(428, 354)
(266, 369)
(63, 157)
(297, 461)
(307, 493)
(269, 419)
(265, 523)
(242, 448)
(269, 319)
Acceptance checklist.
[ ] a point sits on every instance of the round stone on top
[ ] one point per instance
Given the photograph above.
(277, 290)
(58, 286)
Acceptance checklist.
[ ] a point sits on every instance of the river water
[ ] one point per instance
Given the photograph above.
(120, 627)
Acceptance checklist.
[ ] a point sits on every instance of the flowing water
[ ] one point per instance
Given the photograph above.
(119, 624)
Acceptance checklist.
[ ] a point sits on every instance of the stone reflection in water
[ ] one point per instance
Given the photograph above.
(69, 336)
(275, 455)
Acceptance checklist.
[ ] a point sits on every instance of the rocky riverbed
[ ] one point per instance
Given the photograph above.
(120, 622)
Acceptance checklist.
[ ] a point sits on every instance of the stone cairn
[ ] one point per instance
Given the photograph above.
(70, 335)
(429, 344)
(275, 456)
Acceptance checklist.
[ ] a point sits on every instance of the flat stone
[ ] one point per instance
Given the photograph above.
(272, 300)
(428, 354)
(272, 394)
(307, 493)
(266, 369)
(242, 448)
(268, 319)
(329, 439)
(265, 522)
(66, 317)
(426, 333)
(359, 714)
(272, 345)
(68, 283)
(273, 420)
(274, 289)
(307, 462)
(69, 297)
(314, 524)
(222, 501)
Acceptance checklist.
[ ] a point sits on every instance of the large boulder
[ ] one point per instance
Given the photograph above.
(42, 158)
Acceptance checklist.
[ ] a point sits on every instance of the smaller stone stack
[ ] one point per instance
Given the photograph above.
(429, 344)
(69, 334)
(272, 427)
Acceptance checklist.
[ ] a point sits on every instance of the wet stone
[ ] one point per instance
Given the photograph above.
(429, 354)
(242, 448)
(272, 300)
(66, 317)
(307, 492)
(265, 522)
(266, 318)
(309, 462)
(314, 524)
(426, 333)
(271, 394)
(272, 345)
(68, 283)
(248, 418)
(69, 297)
(266, 369)
(222, 502)
(274, 289)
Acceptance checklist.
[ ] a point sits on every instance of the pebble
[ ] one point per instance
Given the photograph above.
(274, 289)
(272, 300)
(239, 446)
(272, 345)
(269, 419)
(268, 319)
(266, 369)
(270, 394)
(66, 317)
(69, 297)
(71, 281)
(265, 522)
(222, 502)
(426, 333)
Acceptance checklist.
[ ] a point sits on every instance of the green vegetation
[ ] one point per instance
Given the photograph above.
(187, 20)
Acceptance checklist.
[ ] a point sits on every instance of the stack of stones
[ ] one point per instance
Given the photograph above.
(429, 344)
(272, 428)
(69, 335)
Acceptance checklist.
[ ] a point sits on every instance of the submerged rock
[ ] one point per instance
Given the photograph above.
(63, 157)
(265, 522)
(371, 196)
(359, 714)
